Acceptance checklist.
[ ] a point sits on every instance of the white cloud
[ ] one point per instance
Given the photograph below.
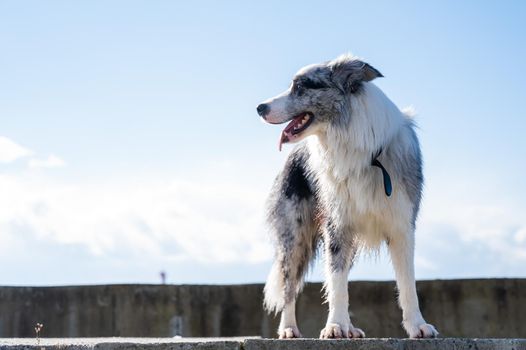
(203, 222)
(520, 236)
(52, 161)
(470, 233)
(11, 151)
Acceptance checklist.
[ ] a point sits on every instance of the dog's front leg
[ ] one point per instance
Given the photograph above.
(339, 252)
(402, 249)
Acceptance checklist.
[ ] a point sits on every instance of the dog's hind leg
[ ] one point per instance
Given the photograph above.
(292, 223)
(295, 251)
(285, 281)
(401, 249)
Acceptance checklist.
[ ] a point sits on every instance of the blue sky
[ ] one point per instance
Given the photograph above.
(129, 141)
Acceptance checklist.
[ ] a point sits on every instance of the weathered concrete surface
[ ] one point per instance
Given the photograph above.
(257, 344)
(386, 344)
(493, 308)
(232, 343)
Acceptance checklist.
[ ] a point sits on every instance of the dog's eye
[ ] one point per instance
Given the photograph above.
(297, 88)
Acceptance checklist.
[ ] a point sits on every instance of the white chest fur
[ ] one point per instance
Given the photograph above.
(352, 194)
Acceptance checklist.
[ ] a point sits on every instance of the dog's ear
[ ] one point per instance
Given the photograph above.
(349, 72)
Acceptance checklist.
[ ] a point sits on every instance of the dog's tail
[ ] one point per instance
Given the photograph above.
(274, 300)
(409, 112)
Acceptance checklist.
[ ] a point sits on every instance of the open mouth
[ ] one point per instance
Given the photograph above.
(297, 125)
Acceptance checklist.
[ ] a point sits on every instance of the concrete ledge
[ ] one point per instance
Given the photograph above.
(386, 344)
(255, 343)
(233, 343)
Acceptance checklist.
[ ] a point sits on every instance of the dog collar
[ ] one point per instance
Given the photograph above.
(388, 186)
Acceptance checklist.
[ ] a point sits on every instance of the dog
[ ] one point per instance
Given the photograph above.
(355, 183)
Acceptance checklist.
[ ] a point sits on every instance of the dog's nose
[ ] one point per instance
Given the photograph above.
(263, 109)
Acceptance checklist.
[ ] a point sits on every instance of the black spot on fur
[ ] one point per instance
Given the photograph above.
(338, 254)
(312, 84)
(334, 247)
(300, 269)
(296, 182)
(356, 87)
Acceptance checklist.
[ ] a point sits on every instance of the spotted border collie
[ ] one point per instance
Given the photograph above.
(354, 183)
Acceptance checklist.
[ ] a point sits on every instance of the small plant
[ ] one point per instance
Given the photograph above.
(38, 328)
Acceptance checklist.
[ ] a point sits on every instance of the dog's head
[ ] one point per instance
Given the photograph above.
(316, 97)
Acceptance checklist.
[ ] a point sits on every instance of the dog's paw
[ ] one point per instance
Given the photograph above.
(332, 331)
(289, 333)
(337, 331)
(424, 330)
(356, 333)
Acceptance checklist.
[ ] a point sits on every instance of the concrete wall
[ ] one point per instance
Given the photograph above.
(459, 308)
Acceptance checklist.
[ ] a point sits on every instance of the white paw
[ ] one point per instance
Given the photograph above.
(423, 330)
(331, 331)
(337, 331)
(356, 333)
(289, 333)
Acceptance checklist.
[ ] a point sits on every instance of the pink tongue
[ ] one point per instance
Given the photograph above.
(286, 134)
(285, 137)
